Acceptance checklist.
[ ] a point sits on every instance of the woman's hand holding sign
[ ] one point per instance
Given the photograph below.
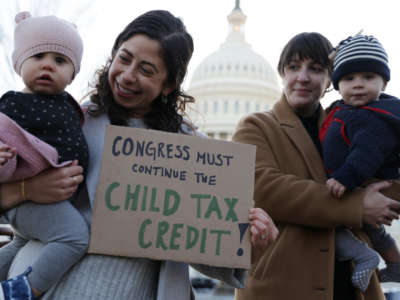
(263, 232)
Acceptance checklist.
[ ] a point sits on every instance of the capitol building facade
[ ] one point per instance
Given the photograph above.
(231, 82)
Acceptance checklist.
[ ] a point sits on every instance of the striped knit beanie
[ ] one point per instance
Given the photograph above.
(361, 53)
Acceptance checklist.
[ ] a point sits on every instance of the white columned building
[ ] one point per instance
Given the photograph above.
(231, 82)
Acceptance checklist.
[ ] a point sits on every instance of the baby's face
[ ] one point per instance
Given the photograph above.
(47, 73)
(358, 89)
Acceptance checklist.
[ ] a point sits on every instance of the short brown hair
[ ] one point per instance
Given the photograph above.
(307, 45)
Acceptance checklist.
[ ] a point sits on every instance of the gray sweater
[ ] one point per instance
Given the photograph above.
(98, 277)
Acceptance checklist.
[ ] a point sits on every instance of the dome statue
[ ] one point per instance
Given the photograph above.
(231, 82)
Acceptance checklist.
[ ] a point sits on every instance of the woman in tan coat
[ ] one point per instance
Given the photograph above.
(290, 185)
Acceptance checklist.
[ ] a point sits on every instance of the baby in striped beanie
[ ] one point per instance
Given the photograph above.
(361, 141)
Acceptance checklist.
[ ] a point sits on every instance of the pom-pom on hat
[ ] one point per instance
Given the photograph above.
(34, 35)
(361, 53)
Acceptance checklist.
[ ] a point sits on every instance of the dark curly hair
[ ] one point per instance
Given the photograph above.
(176, 50)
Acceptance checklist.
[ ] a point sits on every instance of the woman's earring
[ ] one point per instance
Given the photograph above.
(164, 99)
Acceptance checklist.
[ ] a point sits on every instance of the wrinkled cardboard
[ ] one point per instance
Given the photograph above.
(139, 215)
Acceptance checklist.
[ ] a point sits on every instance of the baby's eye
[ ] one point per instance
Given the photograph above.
(39, 55)
(369, 76)
(60, 60)
(348, 78)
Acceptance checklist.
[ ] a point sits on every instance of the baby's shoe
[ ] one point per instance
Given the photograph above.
(365, 266)
(391, 273)
(17, 288)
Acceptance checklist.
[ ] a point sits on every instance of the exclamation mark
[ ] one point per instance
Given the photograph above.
(242, 230)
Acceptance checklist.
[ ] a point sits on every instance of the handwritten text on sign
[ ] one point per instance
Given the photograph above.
(173, 196)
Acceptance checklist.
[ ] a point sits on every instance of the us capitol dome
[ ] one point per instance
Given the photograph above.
(231, 82)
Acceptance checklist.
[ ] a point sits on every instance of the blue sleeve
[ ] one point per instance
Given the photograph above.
(372, 141)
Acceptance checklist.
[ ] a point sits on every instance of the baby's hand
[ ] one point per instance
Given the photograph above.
(6, 153)
(335, 188)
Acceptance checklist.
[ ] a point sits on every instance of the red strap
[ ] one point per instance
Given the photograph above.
(378, 110)
(343, 131)
(327, 122)
(328, 171)
(329, 119)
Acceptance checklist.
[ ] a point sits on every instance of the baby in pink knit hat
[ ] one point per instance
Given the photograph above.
(41, 128)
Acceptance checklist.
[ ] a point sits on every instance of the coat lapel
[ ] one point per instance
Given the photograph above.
(292, 126)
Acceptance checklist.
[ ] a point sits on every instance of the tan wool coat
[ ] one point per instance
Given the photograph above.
(290, 186)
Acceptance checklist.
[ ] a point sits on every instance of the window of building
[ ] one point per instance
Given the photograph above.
(257, 106)
(226, 107)
(223, 136)
(237, 107)
(247, 107)
(205, 110)
(215, 107)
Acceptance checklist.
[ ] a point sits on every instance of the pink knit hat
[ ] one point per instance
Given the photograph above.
(34, 35)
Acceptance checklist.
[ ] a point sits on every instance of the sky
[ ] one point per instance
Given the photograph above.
(269, 25)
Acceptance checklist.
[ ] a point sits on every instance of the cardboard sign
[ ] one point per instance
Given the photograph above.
(173, 197)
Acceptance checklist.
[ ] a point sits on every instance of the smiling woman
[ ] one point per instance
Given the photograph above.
(138, 75)
(140, 86)
(145, 74)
